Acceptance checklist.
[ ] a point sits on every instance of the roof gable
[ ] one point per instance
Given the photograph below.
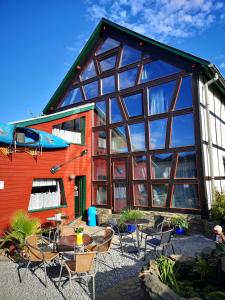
(92, 41)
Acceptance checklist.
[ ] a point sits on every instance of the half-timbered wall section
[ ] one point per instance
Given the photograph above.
(217, 121)
(145, 125)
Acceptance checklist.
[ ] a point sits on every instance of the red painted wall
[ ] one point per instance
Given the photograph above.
(18, 173)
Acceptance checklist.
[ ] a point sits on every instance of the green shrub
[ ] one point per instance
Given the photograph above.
(218, 207)
(179, 221)
(21, 227)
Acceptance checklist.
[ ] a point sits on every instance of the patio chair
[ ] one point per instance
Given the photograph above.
(163, 242)
(121, 233)
(67, 230)
(153, 230)
(37, 251)
(48, 231)
(81, 266)
(102, 244)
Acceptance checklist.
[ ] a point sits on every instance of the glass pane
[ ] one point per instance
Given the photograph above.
(157, 133)
(99, 194)
(115, 115)
(91, 90)
(108, 85)
(185, 196)
(137, 136)
(183, 131)
(100, 169)
(119, 169)
(139, 167)
(99, 142)
(159, 194)
(130, 55)
(107, 45)
(160, 97)
(140, 194)
(108, 63)
(157, 69)
(134, 105)
(127, 78)
(184, 99)
(100, 113)
(71, 97)
(186, 167)
(89, 71)
(120, 196)
(161, 165)
(118, 140)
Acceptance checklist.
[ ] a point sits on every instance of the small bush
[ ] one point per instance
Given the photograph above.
(130, 215)
(218, 207)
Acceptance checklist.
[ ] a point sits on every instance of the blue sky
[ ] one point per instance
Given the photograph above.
(40, 39)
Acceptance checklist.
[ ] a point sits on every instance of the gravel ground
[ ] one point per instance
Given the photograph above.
(128, 266)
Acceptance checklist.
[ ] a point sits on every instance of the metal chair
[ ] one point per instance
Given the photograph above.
(121, 233)
(163, 242)
(38, 252)
(155, 229)
(81, 266)
(102, 244)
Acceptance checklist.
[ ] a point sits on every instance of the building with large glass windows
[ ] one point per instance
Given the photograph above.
(154, 127)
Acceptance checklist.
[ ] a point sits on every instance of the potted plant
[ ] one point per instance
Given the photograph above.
(79, 235)
(180, 223)
(130, 215)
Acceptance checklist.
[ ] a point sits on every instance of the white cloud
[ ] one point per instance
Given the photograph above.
(160, 19)
(222, 66)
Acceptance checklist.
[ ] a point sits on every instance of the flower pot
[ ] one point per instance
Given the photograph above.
(79, 238)
(179, 230)
(131, 228)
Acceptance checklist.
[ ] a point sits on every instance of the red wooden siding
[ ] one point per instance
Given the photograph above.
(18, 173)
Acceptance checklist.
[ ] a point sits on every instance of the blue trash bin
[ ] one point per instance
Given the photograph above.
(92, 216)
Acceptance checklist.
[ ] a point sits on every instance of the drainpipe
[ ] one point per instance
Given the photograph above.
(210, 144)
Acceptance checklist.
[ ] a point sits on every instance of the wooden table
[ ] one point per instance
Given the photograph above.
(137, 223)
(68, 243)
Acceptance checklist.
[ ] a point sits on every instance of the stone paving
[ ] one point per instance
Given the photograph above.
(120, 284)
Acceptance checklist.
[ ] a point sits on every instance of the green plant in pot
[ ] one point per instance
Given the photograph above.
(21, 227)
(130, 215)
(180, 223)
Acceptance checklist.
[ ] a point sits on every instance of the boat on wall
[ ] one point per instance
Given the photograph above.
(28, 137)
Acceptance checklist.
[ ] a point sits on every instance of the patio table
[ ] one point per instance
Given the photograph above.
(137, 223)
(58, 223)
(68, 243)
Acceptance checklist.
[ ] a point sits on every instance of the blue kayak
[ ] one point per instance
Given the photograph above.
(29, 137)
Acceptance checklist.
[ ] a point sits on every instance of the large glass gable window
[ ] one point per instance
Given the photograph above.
(118, 140)
(137, 136)
(108, 44)
(108, 63)
(184, 99)
(159, 195)
(160, 97)
(99, 142)
(130, 55)
(157, 69)
(183, 131)
(139, 167)
(127, 78)
(91, 90)
(115, 113)
(134, 105)
(89, 71)
(72, 97)
(100, 113)
(140, 194)
(108, 85)
(161, 165)
(157, 133)
(99, 194)
(100, 169)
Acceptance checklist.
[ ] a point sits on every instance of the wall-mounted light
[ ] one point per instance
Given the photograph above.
(72, 177)
(56, 168)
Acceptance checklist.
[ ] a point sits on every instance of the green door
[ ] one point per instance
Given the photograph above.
(80, 196)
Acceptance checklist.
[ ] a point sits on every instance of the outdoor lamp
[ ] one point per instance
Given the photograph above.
(56, 168)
